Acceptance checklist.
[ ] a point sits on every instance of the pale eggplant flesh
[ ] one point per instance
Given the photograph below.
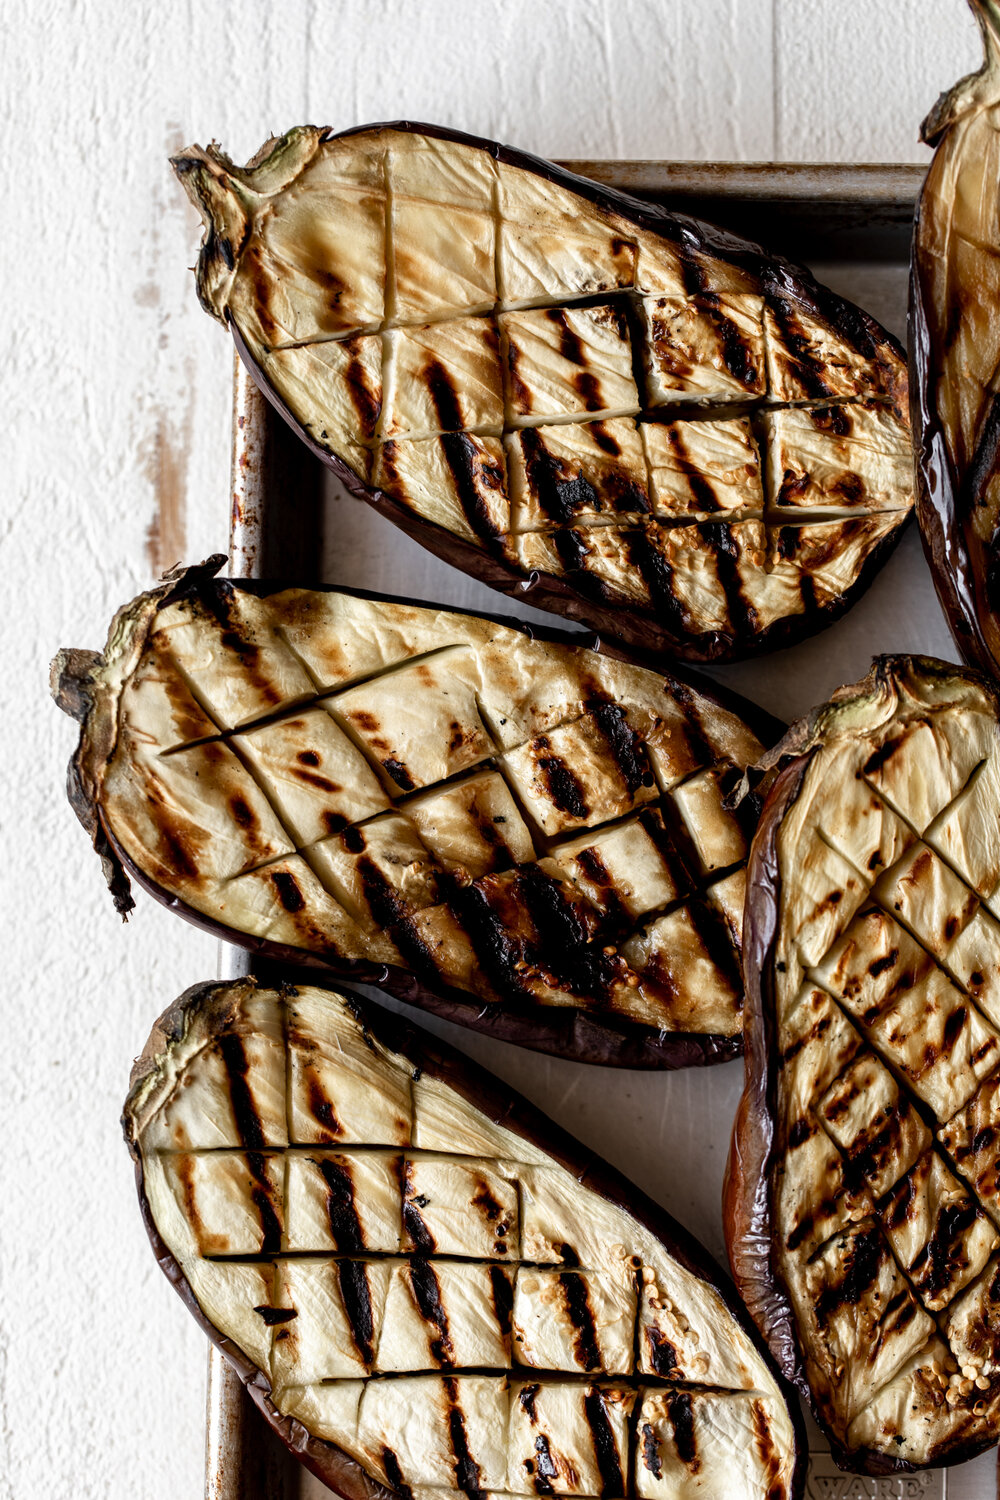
(863, 1192)
(428, 1288)
(954, 338)
(529, 836)
(594, 405)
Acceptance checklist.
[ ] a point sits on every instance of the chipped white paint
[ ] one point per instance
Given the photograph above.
(116, 394)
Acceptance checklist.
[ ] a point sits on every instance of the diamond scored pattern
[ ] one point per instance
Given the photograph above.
(377, 1278)
(510, 303)
(407, 817)
(890, 1071)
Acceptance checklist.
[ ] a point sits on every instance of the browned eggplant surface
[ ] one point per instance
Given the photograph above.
(955, 352)
(592, 404)
(863, 1203)
(424, 1283)
(438, 802)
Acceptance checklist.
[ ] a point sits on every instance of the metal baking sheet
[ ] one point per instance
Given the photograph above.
(670, 1132)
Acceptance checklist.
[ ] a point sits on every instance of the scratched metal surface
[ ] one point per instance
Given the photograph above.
(291, 519)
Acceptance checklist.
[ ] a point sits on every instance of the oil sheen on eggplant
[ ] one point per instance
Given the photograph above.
(592, 404)
(427, 1287)
(862, 1200)
(955, 351)
(526, 835)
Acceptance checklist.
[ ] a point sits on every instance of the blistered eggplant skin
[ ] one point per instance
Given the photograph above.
(502, 433)
(522, 835)
(861, 1177)
(230, 1166)
(954, 343)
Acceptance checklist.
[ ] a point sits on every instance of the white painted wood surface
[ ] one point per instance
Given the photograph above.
(116, 396)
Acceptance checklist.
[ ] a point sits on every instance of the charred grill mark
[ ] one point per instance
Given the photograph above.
(427, 1295)
(444, 395)
(570, 347)
(341, 1207)
(544, 1470)
(698, 481)
(578, 965)
(742, 615)
(832, 419)
(596, 871)
(861, 1268)
(353, 841)
(668, 831)
(413, 1221)
(263, 1198)
(694, 273)
(682, 1422)
(809, 368)
(625, 745)
(494, 947)
(177, 856)
(219, 599)
(737, 355)
(954, 1026)
(658, 576)
(366, 402)
(767, 1450)
(237, 1066)
(612, 1480)
(559, 497)
(353, 1277)
(503, 1299)
(563, 788)
(474, 473)
(698, 739)
(604, 440)
(885, 751)
(574, 1289)
(394, 1474)
(312, 778)
(466, 1469)
(943, 1256)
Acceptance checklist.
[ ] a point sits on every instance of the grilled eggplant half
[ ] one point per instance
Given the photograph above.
(955, 352)
(594, 405)
(426, 1286)
(527, 836)
(862, 1200)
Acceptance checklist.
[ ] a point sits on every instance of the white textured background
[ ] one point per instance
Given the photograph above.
(115, 397)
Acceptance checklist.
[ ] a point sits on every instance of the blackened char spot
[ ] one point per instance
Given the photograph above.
(399, 774)
(544, 1467)
(605, 1451)
(737, 356)
(562, 786)
(580, 966)
(571, 550)
(878, 757)
(682, 1421)
(320, 1106)
(353, 841)
(574, 1289)
(263, 1198)
(287, 890)
(342, 1211)
(427, 1293)
(394, 1474)
(651, 1451)
(570, 346)
(307, 758)
(884, 964)
(624, 744)
(353, 1276)
(275, 1315)
(473, 472)
(662, 1355)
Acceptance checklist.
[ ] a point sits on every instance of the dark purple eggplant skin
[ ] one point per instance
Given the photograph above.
(633, 627)
(749, 1210)
(578, 1035)
(502, 1106)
